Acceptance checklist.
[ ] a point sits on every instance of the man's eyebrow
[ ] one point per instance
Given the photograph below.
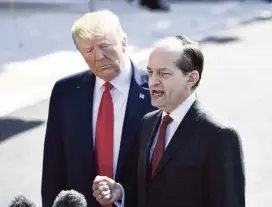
(161, 69)
(87, 47)
(105, 42)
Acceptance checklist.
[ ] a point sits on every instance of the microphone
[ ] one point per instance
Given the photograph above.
(70, 198)
(21, 201)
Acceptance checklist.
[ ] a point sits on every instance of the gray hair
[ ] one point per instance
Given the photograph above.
(191, 57)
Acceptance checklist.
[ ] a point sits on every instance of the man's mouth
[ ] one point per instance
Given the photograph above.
(104, 66)
(157, 92)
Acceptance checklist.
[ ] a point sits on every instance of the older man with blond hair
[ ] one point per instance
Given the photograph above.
(94, 115)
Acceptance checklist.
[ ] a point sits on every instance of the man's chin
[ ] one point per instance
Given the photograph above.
(157, 103)
(108, 75)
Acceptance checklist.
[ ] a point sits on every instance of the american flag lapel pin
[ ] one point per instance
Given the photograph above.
(141, 96)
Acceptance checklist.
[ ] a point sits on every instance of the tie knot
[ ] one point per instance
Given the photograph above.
(108, 86)
(166, 120)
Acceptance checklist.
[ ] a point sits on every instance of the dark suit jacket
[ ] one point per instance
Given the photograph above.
(69, 161)
(201, 167)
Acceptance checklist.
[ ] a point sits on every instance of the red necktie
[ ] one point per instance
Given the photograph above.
(159, 148)
(104, 134)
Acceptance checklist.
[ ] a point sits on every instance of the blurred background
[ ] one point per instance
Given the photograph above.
(36, 49)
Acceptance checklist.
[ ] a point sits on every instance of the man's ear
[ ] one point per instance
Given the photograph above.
(193, 78)
(124, 43)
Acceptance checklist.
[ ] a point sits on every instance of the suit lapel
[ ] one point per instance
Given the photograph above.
(149, 141)
(183, 133)
(84, 122)
(148, 131)
(136, 101)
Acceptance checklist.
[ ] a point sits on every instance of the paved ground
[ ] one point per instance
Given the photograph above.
(235, 86)
(36, 46)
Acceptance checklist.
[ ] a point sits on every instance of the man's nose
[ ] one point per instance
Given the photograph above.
(98, 53)
(153, 80)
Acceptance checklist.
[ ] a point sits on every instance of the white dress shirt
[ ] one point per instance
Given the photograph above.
(119, 95)
(177, 115)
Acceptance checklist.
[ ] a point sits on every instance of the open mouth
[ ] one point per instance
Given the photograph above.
(157, 92)
(104, 66)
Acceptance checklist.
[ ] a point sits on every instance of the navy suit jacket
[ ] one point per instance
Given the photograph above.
(69, 161)
(201, 167)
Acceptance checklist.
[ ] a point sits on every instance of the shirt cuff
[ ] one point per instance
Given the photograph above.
(122, 204)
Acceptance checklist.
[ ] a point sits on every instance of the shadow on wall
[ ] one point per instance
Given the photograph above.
(10, 127)
(219, 39)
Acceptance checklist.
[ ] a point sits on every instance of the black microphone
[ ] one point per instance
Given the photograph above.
(21, 201)
(70, 198)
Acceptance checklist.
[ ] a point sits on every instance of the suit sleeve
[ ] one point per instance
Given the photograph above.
(53, 172)
(224, 184)
(130, 182)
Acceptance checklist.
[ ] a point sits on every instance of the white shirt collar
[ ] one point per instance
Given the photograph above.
(122, 81)
(178, 114)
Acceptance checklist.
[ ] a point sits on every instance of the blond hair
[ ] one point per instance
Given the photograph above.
(97, 23)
